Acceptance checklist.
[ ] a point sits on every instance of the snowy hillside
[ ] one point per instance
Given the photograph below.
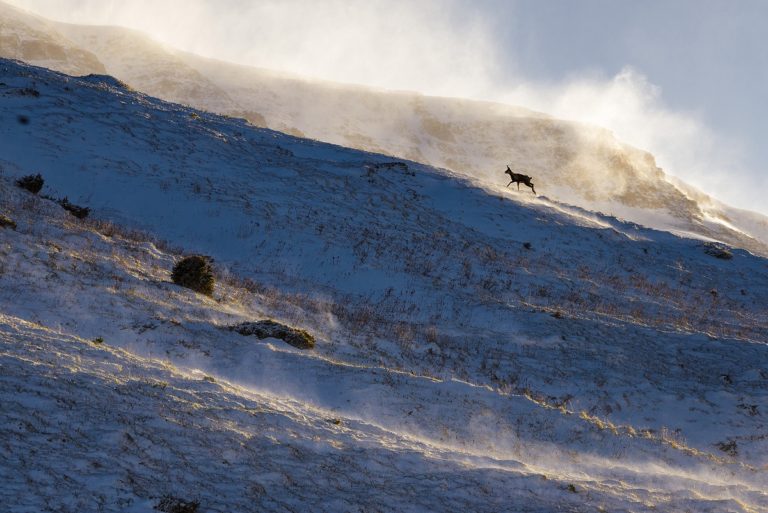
(478, 349)
(573, 163)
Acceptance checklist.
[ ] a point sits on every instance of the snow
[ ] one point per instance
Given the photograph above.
(571, 163)
(455, 369)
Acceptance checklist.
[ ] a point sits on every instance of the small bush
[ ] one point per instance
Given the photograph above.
(194, 272)
(78, 212)
(32, 183)
(176, 505)
(28, 91)
(7, 222)
(729, 447)
(271, 329)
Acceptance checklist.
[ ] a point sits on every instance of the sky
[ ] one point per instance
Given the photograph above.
(684, 79)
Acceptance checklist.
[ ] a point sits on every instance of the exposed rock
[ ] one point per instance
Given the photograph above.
(271, 329)
(717, 251)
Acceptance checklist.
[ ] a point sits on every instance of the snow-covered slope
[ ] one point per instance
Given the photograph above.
(478, 349)
(577, 164)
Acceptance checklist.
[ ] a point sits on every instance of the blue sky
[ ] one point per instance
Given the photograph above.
(684, 79)
(708, 57)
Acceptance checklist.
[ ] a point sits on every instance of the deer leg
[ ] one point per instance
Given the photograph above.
(518, 186)
(510, 183)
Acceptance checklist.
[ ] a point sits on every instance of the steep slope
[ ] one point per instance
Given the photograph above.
(581, 165)
(477, 349)
(120, 389)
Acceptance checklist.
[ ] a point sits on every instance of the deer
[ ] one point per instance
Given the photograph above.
(519, 178)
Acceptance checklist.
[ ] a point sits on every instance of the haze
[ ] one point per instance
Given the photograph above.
(682, 79)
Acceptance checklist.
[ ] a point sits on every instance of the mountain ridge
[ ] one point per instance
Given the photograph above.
(574, 163)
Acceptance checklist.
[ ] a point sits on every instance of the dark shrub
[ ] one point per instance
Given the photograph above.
(78, 212)
(32, 183)
(272, 329)
(28, 91)
(175, 505)
(194, 272)
(729, 447)
(7, 222)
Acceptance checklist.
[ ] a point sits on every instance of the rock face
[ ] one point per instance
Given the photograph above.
(271, 329)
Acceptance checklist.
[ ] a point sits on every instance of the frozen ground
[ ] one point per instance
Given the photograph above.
(478, 349)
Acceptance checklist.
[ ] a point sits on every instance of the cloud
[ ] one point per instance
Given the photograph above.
(428, 46)
(632, 107)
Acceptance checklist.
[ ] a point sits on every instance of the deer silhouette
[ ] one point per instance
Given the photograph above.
(519, 178)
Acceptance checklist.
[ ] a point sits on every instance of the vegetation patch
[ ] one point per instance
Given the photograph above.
(271, 329)
(32, 183)
(374, 167)
(7, 222)
(176, 505)
(77, 211)
(28, 91)
(729, 447)
(105, 81)
(195, 272)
